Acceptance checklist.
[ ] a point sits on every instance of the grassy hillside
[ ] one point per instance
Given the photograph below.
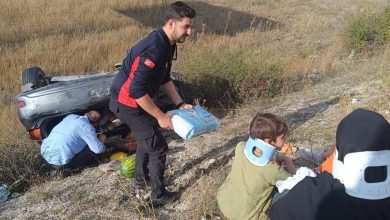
(239, 51)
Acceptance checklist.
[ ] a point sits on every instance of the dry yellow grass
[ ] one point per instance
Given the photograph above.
(231, 39)
(68, 37)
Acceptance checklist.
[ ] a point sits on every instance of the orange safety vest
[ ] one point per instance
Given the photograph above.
(327, 165)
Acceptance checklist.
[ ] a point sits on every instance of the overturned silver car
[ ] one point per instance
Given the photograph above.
(44, 101)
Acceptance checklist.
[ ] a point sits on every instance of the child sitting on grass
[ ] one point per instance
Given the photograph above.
(248, 189)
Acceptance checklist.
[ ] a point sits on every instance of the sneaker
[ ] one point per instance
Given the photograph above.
(62, 173)
(66, 173)
(135, 184)
(166, 198)
(53, 173)
(313, 155)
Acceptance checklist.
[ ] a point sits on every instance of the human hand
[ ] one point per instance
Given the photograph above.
(288, 149)
(165, 121)
(317, 170)
(286, 162)
(280, 158)
(102, 138)
(186, 106)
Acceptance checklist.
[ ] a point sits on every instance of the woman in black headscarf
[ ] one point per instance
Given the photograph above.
(360, 185)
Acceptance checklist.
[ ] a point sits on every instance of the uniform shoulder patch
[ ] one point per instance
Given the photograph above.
(149, 63)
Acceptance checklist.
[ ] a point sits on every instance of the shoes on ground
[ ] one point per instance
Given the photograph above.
(313, 155)
(135, 184)
(66, 172)
(62, 173)
(166, 198)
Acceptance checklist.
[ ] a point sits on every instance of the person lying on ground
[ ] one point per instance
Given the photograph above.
(250, 185)
(73, 143)
(359, 186)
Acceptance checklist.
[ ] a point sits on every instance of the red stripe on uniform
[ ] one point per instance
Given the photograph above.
(124, 96)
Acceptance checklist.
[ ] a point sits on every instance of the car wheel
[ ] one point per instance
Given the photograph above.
(33, 78)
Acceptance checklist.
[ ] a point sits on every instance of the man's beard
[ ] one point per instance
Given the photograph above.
(181, 39)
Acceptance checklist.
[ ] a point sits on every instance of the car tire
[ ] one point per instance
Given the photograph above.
(33, 78)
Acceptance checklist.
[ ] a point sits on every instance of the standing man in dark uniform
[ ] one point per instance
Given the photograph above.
(145, 70)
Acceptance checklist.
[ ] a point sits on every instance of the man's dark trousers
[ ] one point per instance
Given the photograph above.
(80, 160)
(151, 147)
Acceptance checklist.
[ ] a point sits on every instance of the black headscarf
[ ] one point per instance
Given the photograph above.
(324, 197)
(362, 130)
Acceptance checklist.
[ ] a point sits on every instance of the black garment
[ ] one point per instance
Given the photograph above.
(324, 197)
(360, 131)
(151, 147)
(146, 67)
(81, 160)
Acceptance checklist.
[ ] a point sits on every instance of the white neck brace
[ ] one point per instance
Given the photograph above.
(268, 151)
(351, 174)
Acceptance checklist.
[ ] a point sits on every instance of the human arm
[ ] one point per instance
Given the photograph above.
(164, 119)
(88, 134)
(102, 138)
(146, 73)
(282, 159)
(170, 90)
(149, 73)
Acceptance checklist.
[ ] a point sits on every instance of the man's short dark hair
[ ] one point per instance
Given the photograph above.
(267, 126)
(179, 10)
(93, 117)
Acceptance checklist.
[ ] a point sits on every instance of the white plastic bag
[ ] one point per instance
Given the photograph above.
(190, 123)
(4, 193)
(291, 181)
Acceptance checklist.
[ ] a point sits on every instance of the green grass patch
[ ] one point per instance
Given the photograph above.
(231, 76)
(20, 167)
(368, 30)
